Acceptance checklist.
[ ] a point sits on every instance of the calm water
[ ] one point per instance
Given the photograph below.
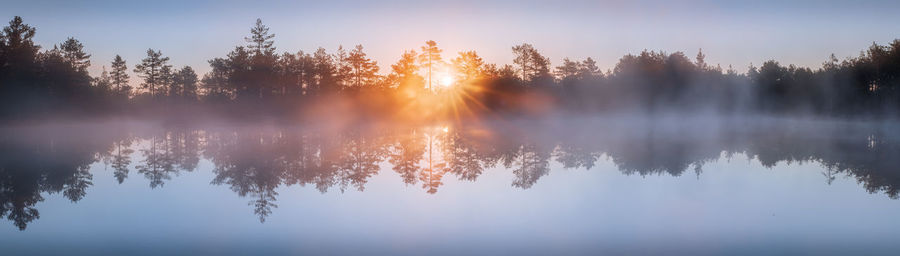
(579, 187)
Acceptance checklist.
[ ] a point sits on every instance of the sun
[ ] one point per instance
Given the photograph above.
(446, 80)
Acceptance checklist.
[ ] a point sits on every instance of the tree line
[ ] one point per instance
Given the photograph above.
(254, 79)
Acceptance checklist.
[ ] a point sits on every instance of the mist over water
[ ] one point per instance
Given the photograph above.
(751, 185)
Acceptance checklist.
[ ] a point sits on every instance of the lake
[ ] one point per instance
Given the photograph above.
(614, 185)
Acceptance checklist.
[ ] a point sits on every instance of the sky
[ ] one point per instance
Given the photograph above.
(803, 32)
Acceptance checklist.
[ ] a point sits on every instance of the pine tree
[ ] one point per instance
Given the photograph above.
(167, 81)
(468, 65)
(430, 57)
(17, 49)
(260, 40)
(533, 64)
(588, 68)
(152, 70)
(568, 70)
(523, 59)
(404, 75)
(701, 60)
(103, 83)
(363, 70)
(216, 82)
(185, 82)
(406, 66)
(342, 67)
(324, 68)
(73, 52)
(119, 77)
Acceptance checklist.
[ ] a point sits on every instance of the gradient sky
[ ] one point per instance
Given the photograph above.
(792, 32)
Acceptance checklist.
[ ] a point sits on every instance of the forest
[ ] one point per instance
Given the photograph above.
(254, 81)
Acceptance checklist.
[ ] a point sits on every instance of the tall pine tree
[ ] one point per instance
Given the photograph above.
(119, 77)
(363, 70)
(152, 70)
(430, 58)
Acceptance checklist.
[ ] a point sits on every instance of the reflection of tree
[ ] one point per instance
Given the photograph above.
(158, 163)
(530, 163)
(44, 160)
(167, 155)
(431, 178)
(435, 166)
(255, 163)
(77, 183)
(655, 154)
(186, 149)
(574, 156)
(251, 164)
(322, 156)
(121, 158)
(871, 158)
(407, 153)
(359, 160)
(462, 156)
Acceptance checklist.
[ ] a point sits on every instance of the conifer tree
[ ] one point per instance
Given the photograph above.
(73, 52)
(363, 70)
(119, 77)
(153, 70)
(430, 58)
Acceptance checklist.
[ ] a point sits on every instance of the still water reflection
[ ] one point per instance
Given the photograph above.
(262, 164)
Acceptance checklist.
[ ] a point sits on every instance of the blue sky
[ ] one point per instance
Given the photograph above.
(797, 32)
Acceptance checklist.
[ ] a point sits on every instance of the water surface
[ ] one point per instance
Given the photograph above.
(619, 185)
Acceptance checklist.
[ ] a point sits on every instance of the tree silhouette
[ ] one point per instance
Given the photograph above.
(185, 83)
(588, 69)
(568, 71)
(297, 74)
(153, 70)
(469, 66)
(429, 58)
(260, 41)
(167, 81)
(342, 68)
(119, 77)
(103, 83)
(363, 70)
(262, 72)
(73, 52)
(18, 55)
(404, 73)
(533, 64)
(252, 81)
(326, 73)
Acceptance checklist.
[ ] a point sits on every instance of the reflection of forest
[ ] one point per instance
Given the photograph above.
(255, 162)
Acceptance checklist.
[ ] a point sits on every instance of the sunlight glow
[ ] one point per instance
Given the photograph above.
(446, 80)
